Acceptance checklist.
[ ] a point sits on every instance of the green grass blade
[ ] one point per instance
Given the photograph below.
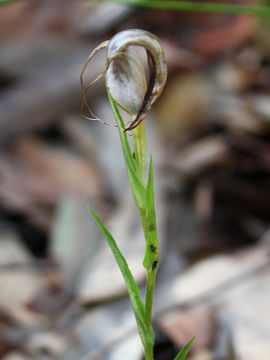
(133, 290)
(2, 2)
(183, 354)
(203, 7)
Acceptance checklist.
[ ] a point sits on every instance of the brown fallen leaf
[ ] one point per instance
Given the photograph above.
(29, 18)
(206, 34)
(35, 175)
(227, 36)
(239, 286)
(12, 17)
(18, 285)
(181, 326)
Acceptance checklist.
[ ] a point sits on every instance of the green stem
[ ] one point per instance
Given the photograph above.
(151, 263)
(140, 151)
(149, 227)
(149, 354)
(2, 2)
(151, 280)
(204, 7)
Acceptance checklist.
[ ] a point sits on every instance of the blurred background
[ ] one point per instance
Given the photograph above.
(61, 294)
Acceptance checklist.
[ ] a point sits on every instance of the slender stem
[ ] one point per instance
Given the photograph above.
(140, 151)
(141, 160)
(149, 354)
(204, 7)
(2, 2)
(149, 227)
(151, 280)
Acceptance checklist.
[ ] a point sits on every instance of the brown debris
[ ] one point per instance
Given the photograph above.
(181, 326)
(35, 175)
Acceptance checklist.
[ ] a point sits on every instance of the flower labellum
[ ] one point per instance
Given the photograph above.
(125, 76)
(126, 80)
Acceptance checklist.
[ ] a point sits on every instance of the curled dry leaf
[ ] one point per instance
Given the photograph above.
(125, 75)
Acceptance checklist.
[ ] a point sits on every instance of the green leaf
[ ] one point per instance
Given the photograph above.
(204, 7)
(136, 186)
(133, 290)
(123, 136)
(183, 353)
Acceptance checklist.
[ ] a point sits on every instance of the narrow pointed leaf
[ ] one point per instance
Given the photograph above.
(136, 186)
(133, 290)
(123, 135)
(183, 353)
